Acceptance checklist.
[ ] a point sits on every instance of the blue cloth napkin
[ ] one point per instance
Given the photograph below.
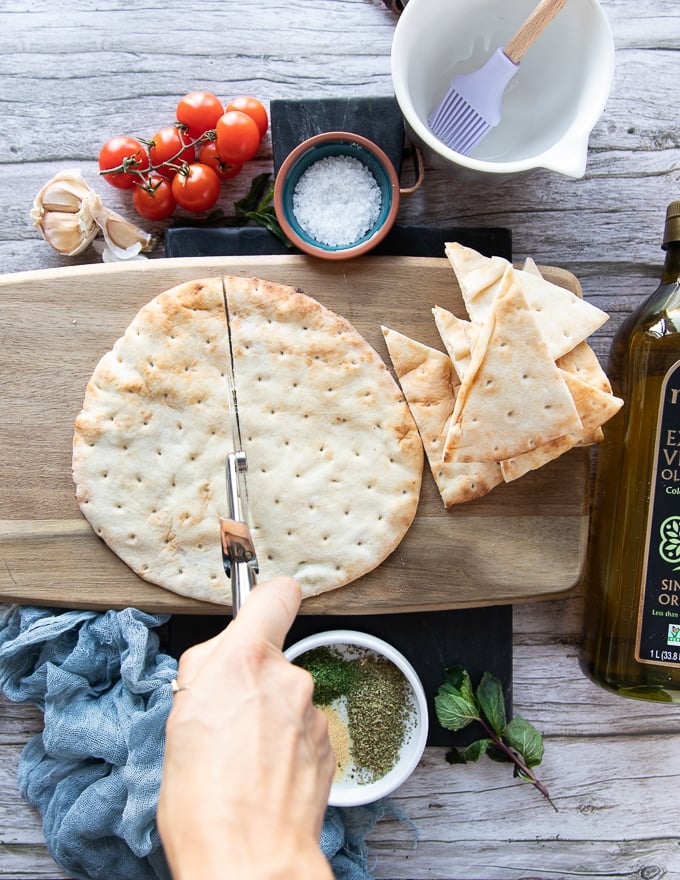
(94, 772)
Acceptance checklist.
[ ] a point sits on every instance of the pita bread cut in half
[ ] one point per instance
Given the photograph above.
(334, 458)
(429, 383)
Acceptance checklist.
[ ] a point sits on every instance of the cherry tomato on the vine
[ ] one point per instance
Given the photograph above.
(153, 199)
(237, 137)
(208, 155)
(196, 188)
(169, 149)
(253, 108)
(123, 152)
(199, 111)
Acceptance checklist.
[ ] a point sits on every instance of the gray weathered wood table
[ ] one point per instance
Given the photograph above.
(73, 75)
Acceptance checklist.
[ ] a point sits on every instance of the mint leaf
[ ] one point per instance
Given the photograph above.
(257, 192)
(257, 206)
(454, 710)
(497, 752)
(525, 739)
(455, 702)
(457, 678)
(476, 750)
(455, 756)
(491, 699)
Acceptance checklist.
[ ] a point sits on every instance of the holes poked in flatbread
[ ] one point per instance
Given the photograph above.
(306, 408)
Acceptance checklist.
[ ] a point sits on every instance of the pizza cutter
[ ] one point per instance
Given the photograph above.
(238, 550)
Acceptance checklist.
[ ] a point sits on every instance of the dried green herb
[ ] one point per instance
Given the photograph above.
(333, 675)
(378, 712)
(457, 704)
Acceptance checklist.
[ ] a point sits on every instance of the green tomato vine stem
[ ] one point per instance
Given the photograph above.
(129, 165)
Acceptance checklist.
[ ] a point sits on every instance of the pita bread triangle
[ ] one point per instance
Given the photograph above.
(564, 319)
(509, 404)
(429, 383)
(580, 360)
(516, 467)
(595, 407)
(456, 335)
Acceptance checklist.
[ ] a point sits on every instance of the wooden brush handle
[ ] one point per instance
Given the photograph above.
(532, 28)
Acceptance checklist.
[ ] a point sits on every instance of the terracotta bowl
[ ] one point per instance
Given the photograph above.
(331, 144)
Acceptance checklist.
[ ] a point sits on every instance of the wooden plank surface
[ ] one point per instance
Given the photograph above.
(71, 75)
(525, 540)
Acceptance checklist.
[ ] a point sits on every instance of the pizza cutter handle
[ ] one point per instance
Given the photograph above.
(240, 562)
(243, 579)
(238, 550)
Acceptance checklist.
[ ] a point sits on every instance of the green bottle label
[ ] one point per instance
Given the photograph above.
(658, 632)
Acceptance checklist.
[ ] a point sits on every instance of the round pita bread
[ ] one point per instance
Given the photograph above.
(334, 457)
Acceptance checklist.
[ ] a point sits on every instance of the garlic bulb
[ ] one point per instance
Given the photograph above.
(58, 213)
(70, 215)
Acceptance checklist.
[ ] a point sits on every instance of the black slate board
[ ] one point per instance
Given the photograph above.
(404, 241)
(378, 119)
(479, 638)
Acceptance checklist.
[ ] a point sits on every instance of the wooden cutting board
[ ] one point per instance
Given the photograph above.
(524, 541)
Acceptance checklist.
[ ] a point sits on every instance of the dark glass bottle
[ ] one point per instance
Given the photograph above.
(631, 642)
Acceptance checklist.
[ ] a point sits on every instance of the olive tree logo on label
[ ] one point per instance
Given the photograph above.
(669, 548)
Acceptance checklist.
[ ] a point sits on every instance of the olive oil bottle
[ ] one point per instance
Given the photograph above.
(631, 642)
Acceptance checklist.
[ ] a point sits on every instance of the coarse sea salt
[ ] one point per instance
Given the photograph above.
(337, 200)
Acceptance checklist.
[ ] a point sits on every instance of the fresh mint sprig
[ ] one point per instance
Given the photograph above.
(257, 206)
(458, 704)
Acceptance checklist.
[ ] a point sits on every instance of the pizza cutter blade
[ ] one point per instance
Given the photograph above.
(238, 551)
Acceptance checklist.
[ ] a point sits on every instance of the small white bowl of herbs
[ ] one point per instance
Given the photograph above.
(376, 709)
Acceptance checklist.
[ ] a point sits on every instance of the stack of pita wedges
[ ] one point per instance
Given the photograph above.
(518, 385)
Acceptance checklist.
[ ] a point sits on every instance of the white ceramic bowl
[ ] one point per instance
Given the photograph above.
(549, 107)
(349, 793)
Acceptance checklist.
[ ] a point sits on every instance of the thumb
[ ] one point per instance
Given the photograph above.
(269, 611)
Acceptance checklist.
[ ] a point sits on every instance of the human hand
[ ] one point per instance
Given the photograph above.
(248, 764)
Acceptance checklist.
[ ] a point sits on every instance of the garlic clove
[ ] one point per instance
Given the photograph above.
(109, 257)
(69, 234)
(123, 238)
(122, 234)
(65, 192)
